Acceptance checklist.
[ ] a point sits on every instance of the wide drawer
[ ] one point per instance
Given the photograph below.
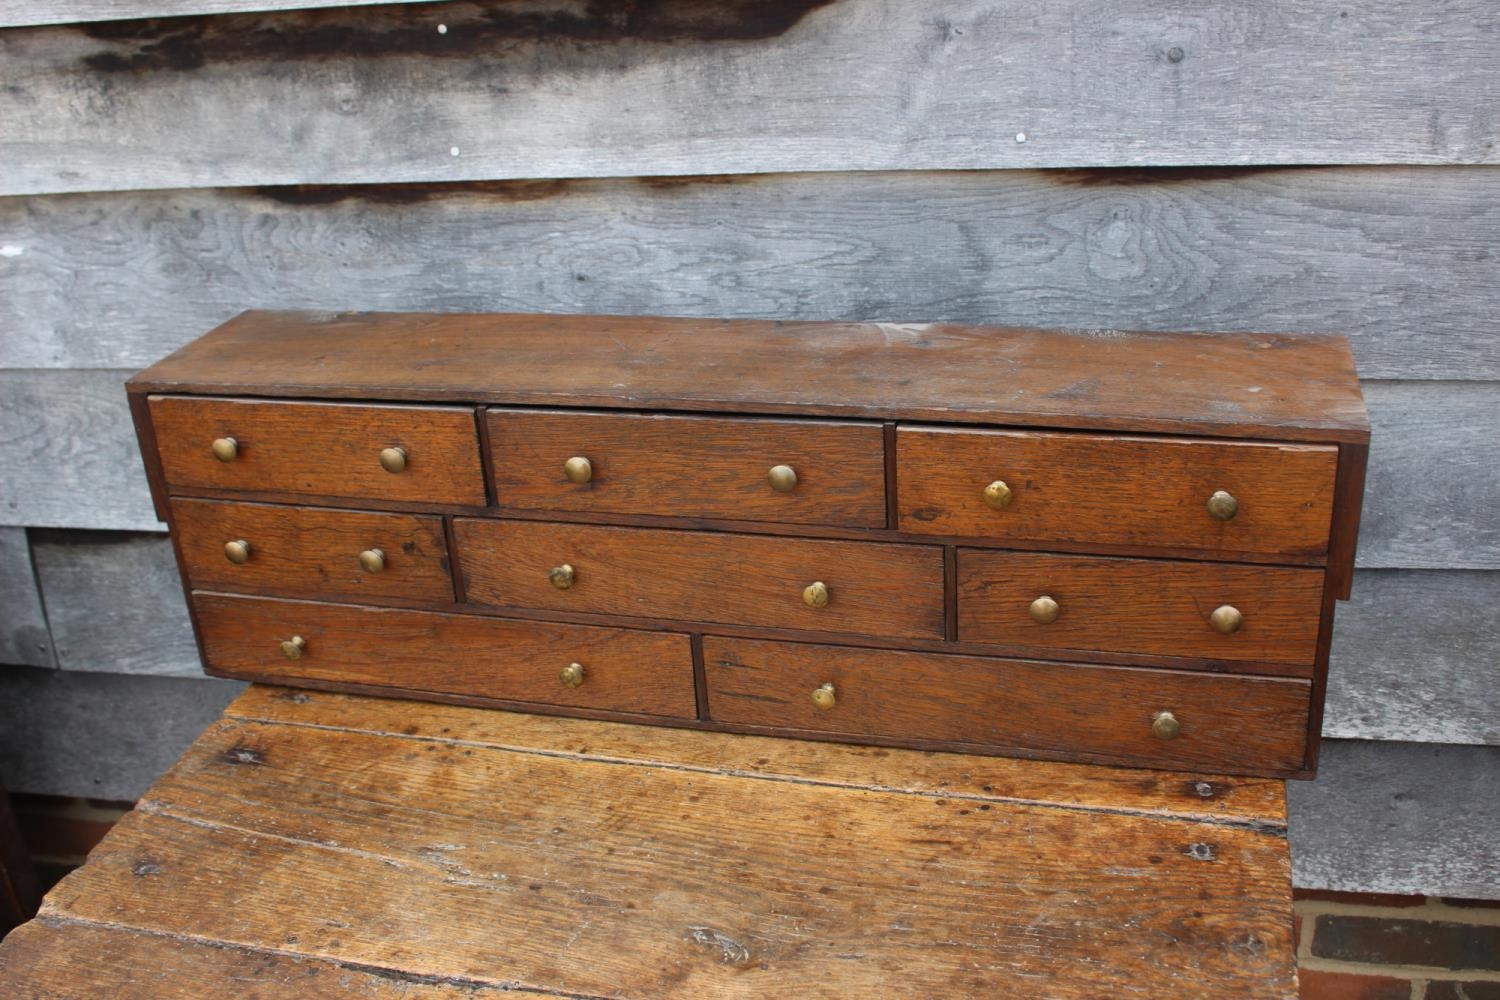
(421, 454)
(780, 471)
(1179, 494)
(1213, 611)
(312, 552)
(617, 670)
(868, 587)
(1062, 711)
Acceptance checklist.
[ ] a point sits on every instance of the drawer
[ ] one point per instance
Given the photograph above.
(620, 670)
(690, 466)
(1150, 606)
(872, 588)
(320, 449)
(1136, 492)
(311, 552)
(1063, 711)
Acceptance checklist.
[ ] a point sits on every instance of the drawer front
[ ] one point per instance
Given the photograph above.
(1063, 711)
(690, 466)
(1127, 491)
(321, 449)
(1149, 606)
(311, 552)
(872, 588)
(622, 670)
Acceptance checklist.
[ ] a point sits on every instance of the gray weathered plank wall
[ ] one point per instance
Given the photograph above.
(845, 159)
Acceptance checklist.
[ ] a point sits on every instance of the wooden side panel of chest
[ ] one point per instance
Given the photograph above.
(878, 555)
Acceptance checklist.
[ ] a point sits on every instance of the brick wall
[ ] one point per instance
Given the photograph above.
(1364, 947)
(1349, 947)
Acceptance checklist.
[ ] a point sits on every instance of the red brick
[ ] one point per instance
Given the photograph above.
(1342, 986)
(1481, 904)
(1463, 991)
(1442, 944)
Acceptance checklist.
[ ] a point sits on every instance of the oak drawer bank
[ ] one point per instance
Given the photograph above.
(1106, 547)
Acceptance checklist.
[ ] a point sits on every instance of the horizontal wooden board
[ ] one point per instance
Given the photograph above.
(1290, 388)
(562, 88)
(872, 588)
(621, 879)
(115, 603)
(1055, 711)
(1399, 818)
(22, 13)
(107, 736)
(41, 962)
(1153, 606)
(684, 466)
(624, 670)
(24, 638)
(1284, 251)
(1414, 658)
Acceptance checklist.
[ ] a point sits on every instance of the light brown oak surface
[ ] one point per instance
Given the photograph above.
(329, 845)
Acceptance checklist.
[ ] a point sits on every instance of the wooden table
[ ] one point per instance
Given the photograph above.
(318, 845)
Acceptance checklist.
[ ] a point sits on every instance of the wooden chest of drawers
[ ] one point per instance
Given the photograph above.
(1093, 546)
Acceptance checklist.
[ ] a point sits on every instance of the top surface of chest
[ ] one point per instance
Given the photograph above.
(1118, 548)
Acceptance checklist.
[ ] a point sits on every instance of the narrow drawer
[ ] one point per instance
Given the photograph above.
(1214, 611)
(421, 454)
(1061, 711)
(871, 588)
(311, 552)
(825, 472)
(1137, 492)
(618, 670)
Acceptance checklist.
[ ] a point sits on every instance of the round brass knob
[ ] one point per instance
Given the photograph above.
(783, 478)
(823, 698)
(571, 675)
(815, 594)
(237, 551)
(1222, 506)
(372, 560)
(997, 494)
(578, 469)
(225, 449)
(1164, 726)
(562, 576)
(1226, 619)
(1044, 610)
(293, 647)
(393, 459)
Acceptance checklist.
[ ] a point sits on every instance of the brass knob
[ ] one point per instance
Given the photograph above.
(293, 647)
(226, 449)
(393, 459)
(1222, 506)
(823, 698)
(783, 478)
(1164, 726)
(815, 594)
(571, 675)
(1226, 619)
(561, 576)
(578, 469)
(1044, 610)
(237, 551)
(372, 560)
(997, 494)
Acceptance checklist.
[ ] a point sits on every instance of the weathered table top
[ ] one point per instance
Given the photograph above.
(316, 845)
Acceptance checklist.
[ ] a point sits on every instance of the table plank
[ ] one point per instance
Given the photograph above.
(437, 844)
